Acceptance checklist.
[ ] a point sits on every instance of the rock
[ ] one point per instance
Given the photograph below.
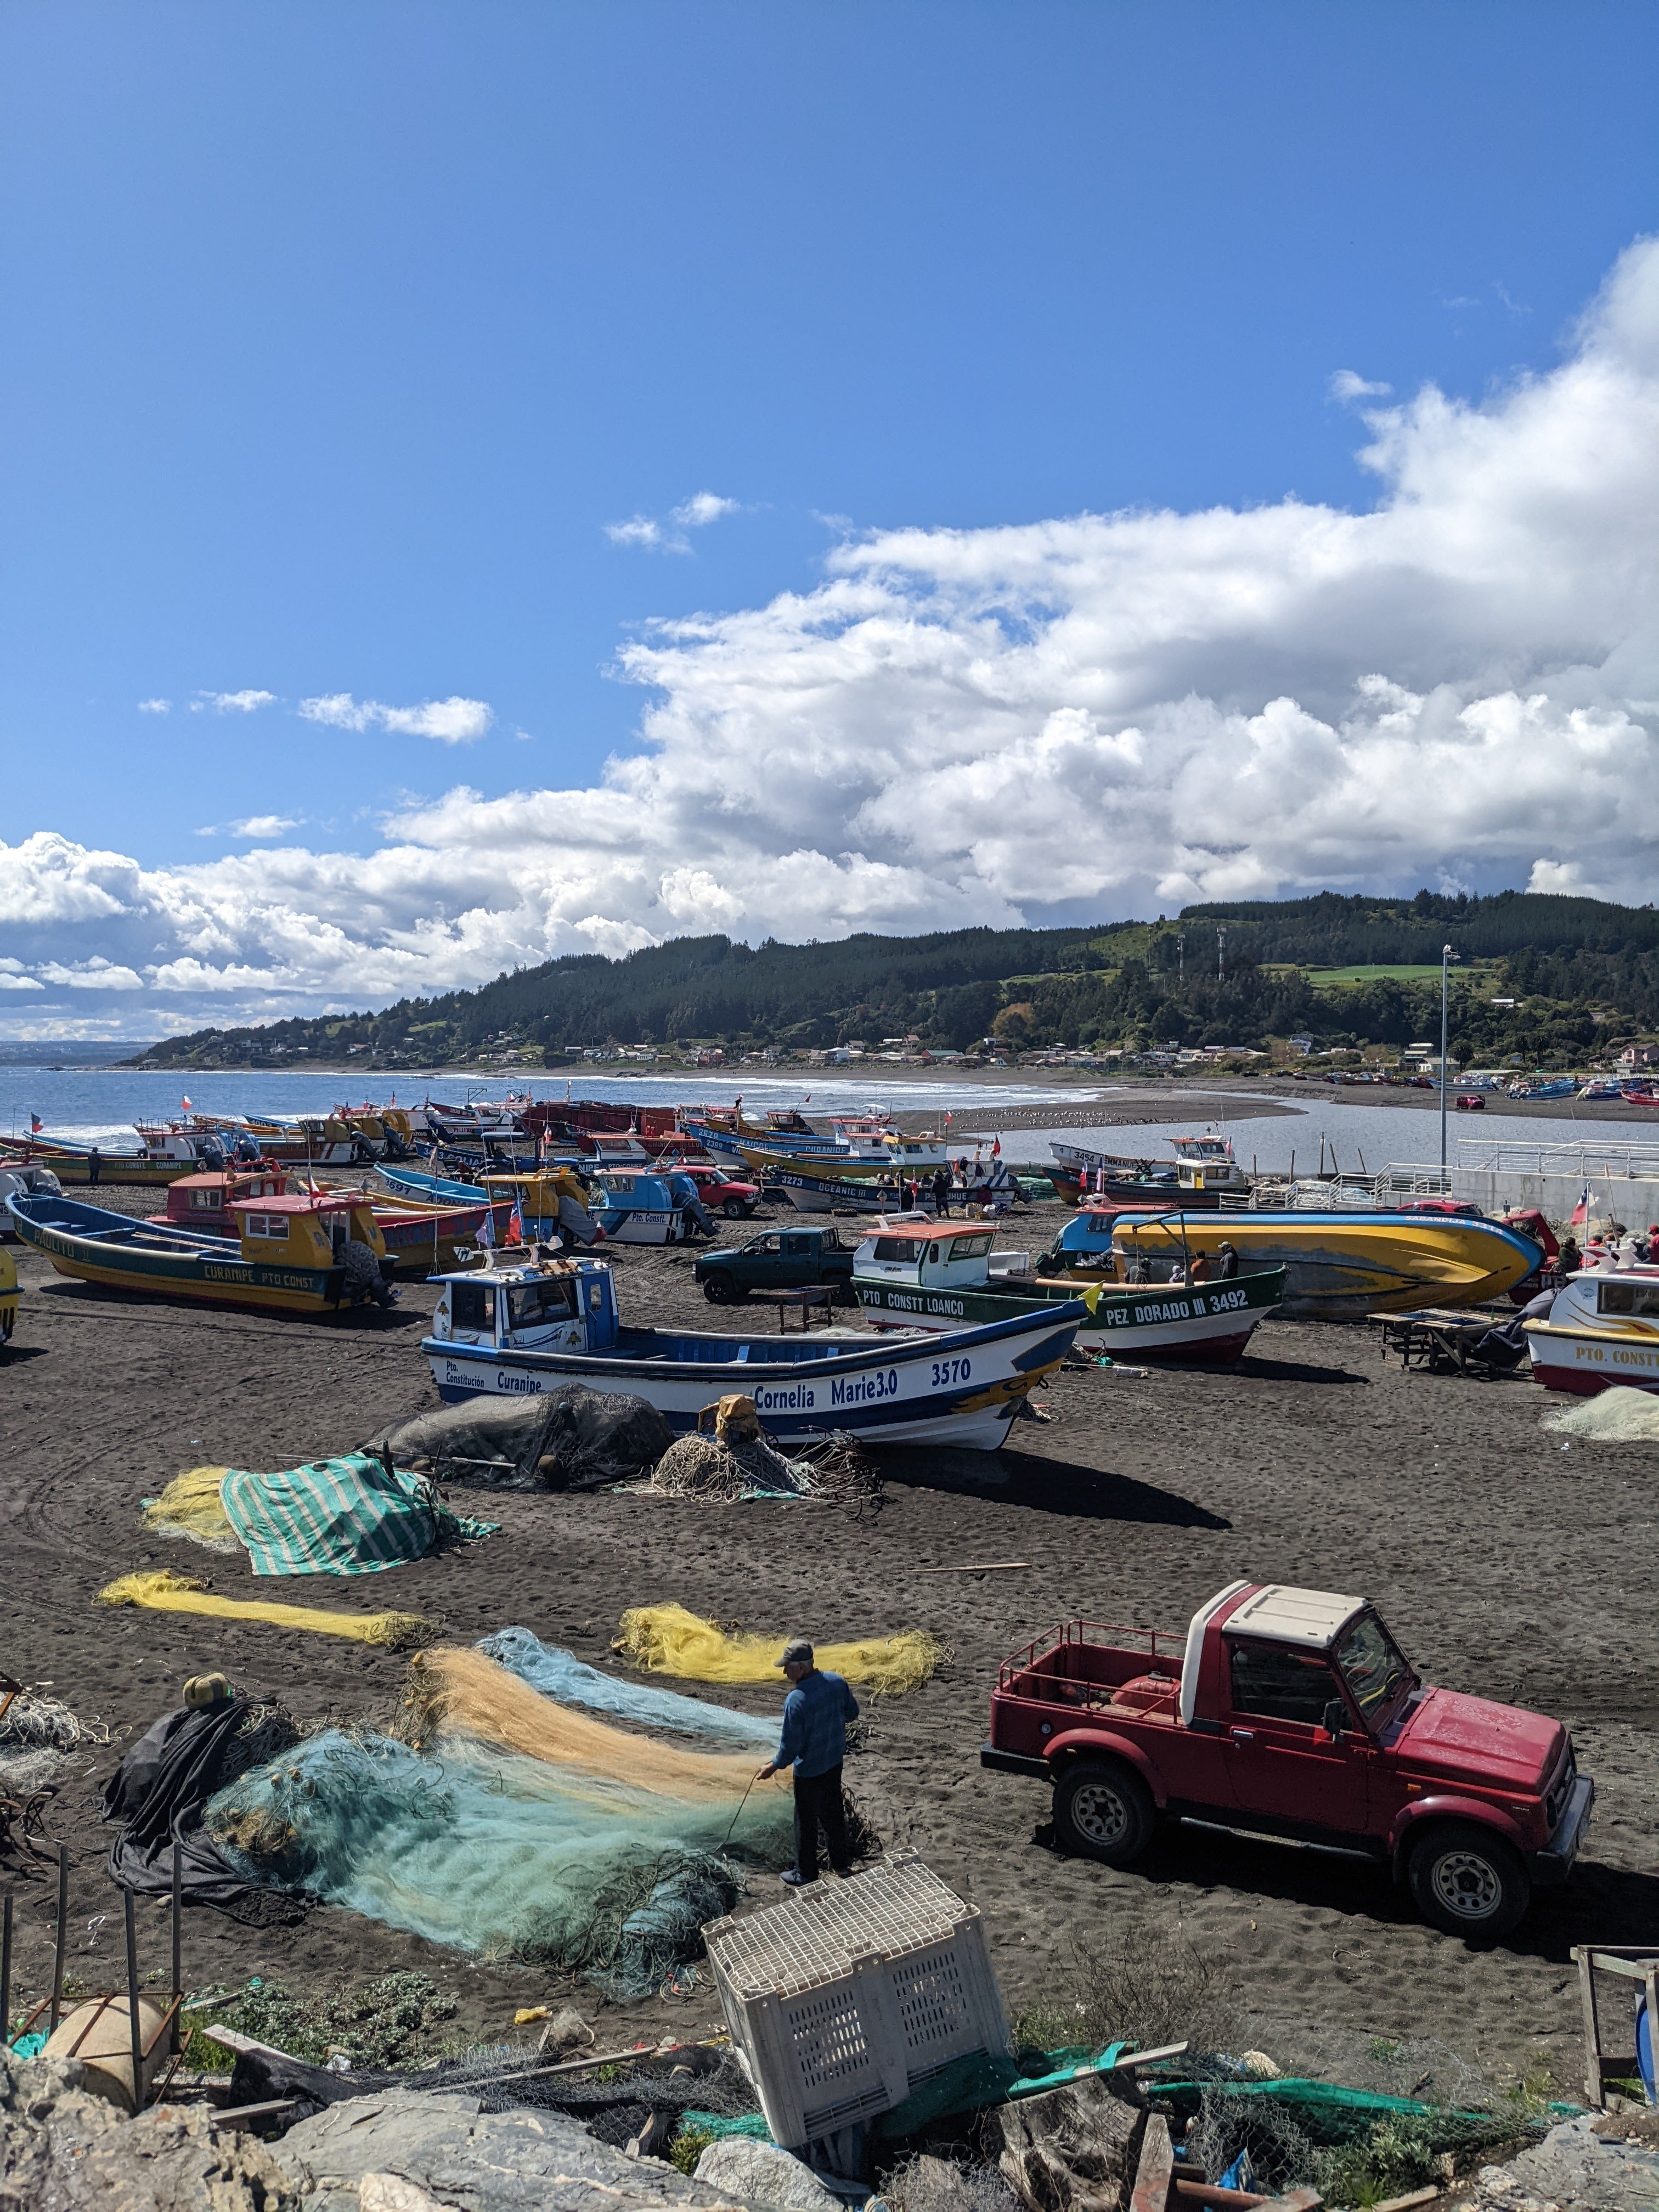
(742, 2165)
(463, 2159)
(1577, 2169)
(64, 2147)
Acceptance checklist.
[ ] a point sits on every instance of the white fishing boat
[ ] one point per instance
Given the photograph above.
(911, 1274)
(1603, 1328)
(525, 1329)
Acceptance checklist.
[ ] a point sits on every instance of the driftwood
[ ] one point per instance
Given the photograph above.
(1073, 2149)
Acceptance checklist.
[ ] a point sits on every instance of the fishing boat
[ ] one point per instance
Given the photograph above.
(635, 1208)
(831, 1193)
(285, 1259)
(945, 1275)
(510, 1330)
(1603, 1328)
(1203, 1175)
(1338, 1266)
(550, 1204)
(71, 1160)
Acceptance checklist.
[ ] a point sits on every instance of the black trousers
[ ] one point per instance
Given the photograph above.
(817, 1799)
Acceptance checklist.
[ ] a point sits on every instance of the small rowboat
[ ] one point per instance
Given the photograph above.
(1603, 1329)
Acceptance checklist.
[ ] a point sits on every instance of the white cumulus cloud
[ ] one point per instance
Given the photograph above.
(1347, 384)
(650, 536)
(1091, 716)
(231, 703)
(93, 975)
(452, 721)
(155, 706)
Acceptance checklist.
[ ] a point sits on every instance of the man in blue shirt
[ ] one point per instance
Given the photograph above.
(814, 1740)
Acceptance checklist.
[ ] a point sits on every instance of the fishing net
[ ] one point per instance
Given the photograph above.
(567, 1439)
(559, 1674)
(41, 1723)
(667, 1640)
(166, 1592)
(1620, 1415)
(614, 2109)
(193, 1506)
(498, 1853)
(454, 1691)
(720, 1470)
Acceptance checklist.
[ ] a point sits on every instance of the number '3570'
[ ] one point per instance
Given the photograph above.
(950, 1370)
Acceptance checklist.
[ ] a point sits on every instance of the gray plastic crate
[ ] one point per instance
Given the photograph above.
(841, 2000)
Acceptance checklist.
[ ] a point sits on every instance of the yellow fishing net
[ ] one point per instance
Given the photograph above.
(166, 1592)
(189, 1506)
(668, 1640)
(462, 1692)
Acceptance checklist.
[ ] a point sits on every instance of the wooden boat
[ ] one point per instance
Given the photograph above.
(71, 1160)
(508, 1330)
(946, 1275)
(553, 1203)
(204, 1201)
(633, 1208)
(831, 1193)
(1603, 1328)
(283, 1261)
(1338, 1266)
(1203, 1176)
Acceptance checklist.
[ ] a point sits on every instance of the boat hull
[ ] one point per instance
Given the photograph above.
(1209, 1322)
(809, 1194)
(962, 1388)
(1585, 1361)
(124, 1170)
(1343, 1266)
(198, 1270)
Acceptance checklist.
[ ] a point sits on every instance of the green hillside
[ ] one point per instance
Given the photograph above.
(1583, 974)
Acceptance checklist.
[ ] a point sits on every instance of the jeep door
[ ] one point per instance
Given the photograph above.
(755, 1264)
(1283, 1764)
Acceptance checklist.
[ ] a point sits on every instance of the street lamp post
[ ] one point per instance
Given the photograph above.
(1446, 955)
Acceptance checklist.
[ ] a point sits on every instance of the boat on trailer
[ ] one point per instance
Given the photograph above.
(948, 1275)
(283, 1260)
(528, 1328)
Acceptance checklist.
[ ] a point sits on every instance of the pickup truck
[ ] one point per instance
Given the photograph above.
(780, 1260)
(1292, 1713)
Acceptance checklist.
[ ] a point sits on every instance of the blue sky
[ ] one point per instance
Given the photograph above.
(336, 337)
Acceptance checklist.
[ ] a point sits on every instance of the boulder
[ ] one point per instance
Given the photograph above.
(743, 2165)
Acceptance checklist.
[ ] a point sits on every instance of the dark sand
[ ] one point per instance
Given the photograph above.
(1506, 1565)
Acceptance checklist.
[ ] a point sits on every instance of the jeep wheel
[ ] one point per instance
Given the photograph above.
(1103, 1812)
(1467, 1881)
(720, 1290)
(845, 1294)
(734, 1209)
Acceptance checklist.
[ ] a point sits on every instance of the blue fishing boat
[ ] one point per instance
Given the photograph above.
(525, 1329)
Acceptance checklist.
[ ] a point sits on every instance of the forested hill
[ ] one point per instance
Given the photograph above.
(1582, 971)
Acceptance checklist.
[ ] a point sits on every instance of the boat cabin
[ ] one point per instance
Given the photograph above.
(1622, 1300)
(204, 1201)
(301, 1229)
(545, 1305)
(1207, 1163)
(942, 1256)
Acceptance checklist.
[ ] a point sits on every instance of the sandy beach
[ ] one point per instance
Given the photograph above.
(1506, 1566)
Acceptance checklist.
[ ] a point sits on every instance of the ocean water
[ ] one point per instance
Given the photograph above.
(104, 1103)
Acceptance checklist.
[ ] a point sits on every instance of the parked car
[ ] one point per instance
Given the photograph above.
(779, 1259)
(1470, 1102)
(720, 1192)
(1292, 1713)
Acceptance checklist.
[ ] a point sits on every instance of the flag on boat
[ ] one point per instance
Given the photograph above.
(486, 1235)
(996, 1150)
(35, 1125)
(1581, 1212)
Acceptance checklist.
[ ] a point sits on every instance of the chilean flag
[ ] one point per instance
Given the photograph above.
(36, 1124)
(1581, 1212)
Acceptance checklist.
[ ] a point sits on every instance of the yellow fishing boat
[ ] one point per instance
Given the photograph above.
(1337, 1265)
(292, 1255)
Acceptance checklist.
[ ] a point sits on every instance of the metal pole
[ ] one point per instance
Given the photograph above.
(1445, 956)
(177, 1927)
(5, 1973)
(62, 1937)
(134, 2024)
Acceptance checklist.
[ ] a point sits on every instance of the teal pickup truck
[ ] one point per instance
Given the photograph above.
(782, 1259)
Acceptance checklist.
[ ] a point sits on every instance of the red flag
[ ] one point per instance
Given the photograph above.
(188, 1105)
(36, 1124)
(996, 1150)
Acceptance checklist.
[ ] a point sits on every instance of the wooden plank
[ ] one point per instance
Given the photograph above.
(1408, 2204)
(1156, 2172)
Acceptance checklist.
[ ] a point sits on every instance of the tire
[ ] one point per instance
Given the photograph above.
(1468, 1882)
(720, 1290)
(1103, 1811)
(734, 1209)
(845, 1295)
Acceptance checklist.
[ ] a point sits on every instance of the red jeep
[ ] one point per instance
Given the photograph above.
(1292, 1713)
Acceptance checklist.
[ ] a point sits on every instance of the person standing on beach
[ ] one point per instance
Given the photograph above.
(942, 1193)
(95, 1164)
(1569, 1258)
(814, 1742)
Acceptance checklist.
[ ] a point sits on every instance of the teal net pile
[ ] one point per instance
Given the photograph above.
(351, 1515)
(559, 1674)
(499, 1854)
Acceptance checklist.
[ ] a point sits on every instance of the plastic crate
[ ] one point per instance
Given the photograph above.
(842, 2000)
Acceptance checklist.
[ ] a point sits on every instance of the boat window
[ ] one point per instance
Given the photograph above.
(273, 1226)
(472, 1305)
(1627, 1299)
(1280, 1684)
(528, 1305)
(969, 1247)
(899, 1248)
(208, 1198)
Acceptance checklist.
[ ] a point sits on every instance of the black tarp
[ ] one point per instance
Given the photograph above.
(570, 1438)
(159, 1792)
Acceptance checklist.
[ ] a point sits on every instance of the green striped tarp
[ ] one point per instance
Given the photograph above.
(339, 1516)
